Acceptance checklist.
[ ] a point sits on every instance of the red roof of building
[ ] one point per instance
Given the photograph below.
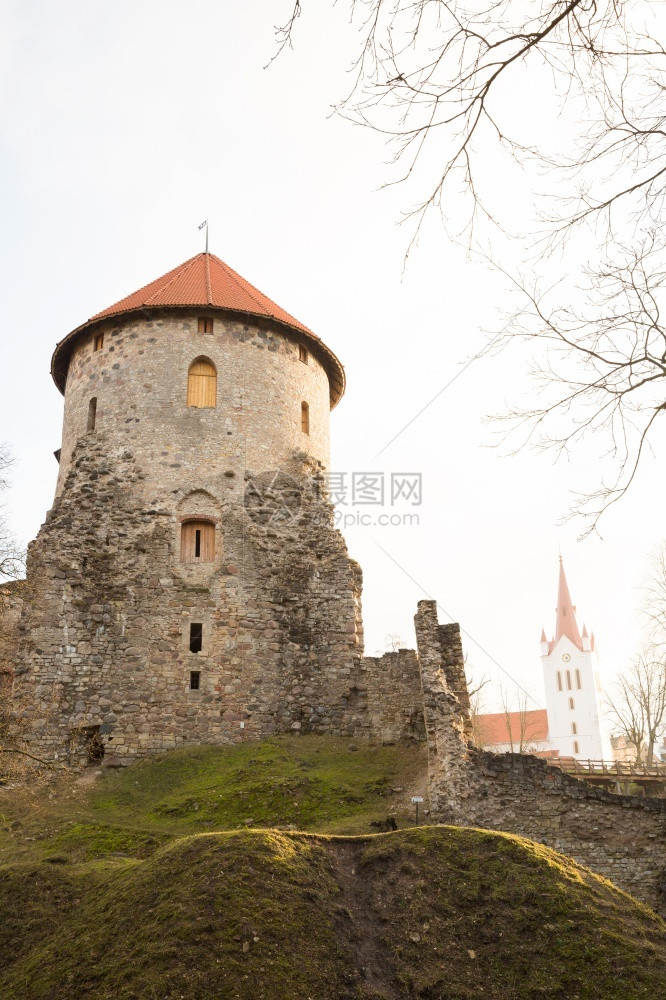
(204, 281)
(506, 727)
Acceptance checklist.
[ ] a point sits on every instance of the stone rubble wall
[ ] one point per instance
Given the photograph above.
(394, 696)
(105, 637)
(620, 837)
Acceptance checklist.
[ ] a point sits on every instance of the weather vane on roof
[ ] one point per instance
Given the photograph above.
(205, 224)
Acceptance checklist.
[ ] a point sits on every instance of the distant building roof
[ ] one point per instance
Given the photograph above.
(208, 282)
(506, 727)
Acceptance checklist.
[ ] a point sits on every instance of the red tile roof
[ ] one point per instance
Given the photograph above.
(204, 281)
(502, 727)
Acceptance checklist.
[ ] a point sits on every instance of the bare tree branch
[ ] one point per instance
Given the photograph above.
(12, 555)
(440, 80)
(638, 704)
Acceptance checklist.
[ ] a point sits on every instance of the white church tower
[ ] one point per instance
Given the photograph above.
(575, 724)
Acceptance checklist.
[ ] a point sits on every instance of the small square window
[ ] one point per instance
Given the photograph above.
(195, 678)
(99, 342)
(205, 324)
(302, 354)
(196, 637)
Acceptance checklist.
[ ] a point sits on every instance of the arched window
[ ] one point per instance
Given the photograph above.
(92, 413)
(197, 542)
(568, 680)
(305, 418)
(574, 729)
(576, 750)
(578, 683)
(202, 383)
(559, 681)
(571, 704)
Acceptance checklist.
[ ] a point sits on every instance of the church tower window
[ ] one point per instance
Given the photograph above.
(568, 680)
(559, 680)
(578, 682)
(195, 678)
(202, 383)
(575, 746)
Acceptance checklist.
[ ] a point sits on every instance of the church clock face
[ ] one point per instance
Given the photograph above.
(565, 658)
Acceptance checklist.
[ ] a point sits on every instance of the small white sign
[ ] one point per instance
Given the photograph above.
(417, 798)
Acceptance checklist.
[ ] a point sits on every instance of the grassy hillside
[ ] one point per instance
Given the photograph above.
(300, 783)
(133, 900)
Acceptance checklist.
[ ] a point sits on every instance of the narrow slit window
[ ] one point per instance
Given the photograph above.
(303, 354)
(578, 683)
(305, 418)
(571, 704)
(574, 729)
(195, 678)
(576, 750)
(99, 342)
(559, 681)
(202, 383)
(92, 414)
(568, 680)
(197, 542)
(196, 637)
(205, 324)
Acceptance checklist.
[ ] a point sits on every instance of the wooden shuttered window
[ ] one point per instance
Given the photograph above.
(197, 542)
(202, 383)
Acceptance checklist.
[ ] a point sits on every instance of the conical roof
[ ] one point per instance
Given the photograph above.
(203, 281)
(565, 623)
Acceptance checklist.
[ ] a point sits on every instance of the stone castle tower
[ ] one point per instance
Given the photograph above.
(576, 726)
(188, 584)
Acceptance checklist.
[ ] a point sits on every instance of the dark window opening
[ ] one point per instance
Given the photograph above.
(197, 543)
(302, 354)
(195, 676)
(99, 342)
(196, 637)
(205, 325)
(92, 413)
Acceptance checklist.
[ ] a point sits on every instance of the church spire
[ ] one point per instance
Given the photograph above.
(565, 623)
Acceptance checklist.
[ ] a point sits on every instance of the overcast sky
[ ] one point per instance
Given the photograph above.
(123, 126)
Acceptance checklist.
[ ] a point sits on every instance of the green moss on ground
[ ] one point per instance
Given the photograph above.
(113, 890)
(305, 783)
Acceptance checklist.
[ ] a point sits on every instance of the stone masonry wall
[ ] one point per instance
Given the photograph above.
(139, 379)
(105, 637)
(620, 837)
(394, 696)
